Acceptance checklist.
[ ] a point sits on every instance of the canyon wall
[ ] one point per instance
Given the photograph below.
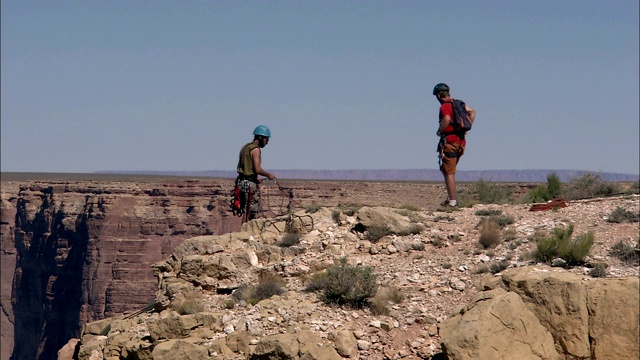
(75, 252)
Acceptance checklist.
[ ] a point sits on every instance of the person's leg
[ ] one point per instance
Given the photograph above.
(448, 169)
(450, 183)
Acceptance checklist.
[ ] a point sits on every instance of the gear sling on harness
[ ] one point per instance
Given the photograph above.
(242, 197)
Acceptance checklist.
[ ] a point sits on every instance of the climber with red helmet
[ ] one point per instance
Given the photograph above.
(452, 142)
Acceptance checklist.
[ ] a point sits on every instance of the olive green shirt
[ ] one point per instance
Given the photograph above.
(245, 162)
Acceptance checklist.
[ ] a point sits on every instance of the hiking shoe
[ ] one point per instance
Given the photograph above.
(449, 203)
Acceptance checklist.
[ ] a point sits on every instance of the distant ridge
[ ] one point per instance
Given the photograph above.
(402, 175)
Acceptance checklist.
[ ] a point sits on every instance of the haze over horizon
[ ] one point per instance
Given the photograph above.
(179, 86)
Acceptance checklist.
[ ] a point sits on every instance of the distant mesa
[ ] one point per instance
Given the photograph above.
(401, 175)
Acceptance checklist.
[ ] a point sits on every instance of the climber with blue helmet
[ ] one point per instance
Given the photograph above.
(246, 199)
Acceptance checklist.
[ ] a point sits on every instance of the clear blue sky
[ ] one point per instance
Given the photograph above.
(180, 85)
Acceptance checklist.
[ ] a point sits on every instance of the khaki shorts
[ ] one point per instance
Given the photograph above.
(449, 157)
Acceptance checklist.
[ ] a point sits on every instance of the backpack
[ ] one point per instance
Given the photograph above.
(461, 122)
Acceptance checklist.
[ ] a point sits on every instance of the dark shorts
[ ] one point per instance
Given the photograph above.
(450, 155)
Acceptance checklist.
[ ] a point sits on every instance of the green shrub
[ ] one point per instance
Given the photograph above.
(626, 253)
(376, 232)
(559, 244)
(543, 193)
(554, 186)
(620, 215)
(492, 193)
(344, 284)
(290, 239)
(489, 212)
(489, 233)
(538, 194)
(587, 186)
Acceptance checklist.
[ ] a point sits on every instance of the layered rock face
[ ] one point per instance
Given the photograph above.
(542, 313)
(531, 311)
(75, 252)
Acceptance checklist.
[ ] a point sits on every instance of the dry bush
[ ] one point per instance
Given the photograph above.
(489, 233)
(384, 295)
(443, 218)
(376, 232)
(634, 188)
(489, 212)
(335, 215)
(504, 220)
(437, 241)
(620, 215)
(599, 270)
(589, 185)
(411, 230)
(498, 267)
(409, 207)
(454, 237)
(290, 239)
(312, 208)
(349, 209)
(626, 253)
(189, 302)
(269, 284)
(509, 234)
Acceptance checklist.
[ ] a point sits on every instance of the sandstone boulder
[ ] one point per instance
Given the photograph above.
(515, 316)
(182, 349)
(303, 345)
(370, 216)
(496, 325)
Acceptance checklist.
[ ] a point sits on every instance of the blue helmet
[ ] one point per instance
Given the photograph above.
(440, 87)
(262, 131)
